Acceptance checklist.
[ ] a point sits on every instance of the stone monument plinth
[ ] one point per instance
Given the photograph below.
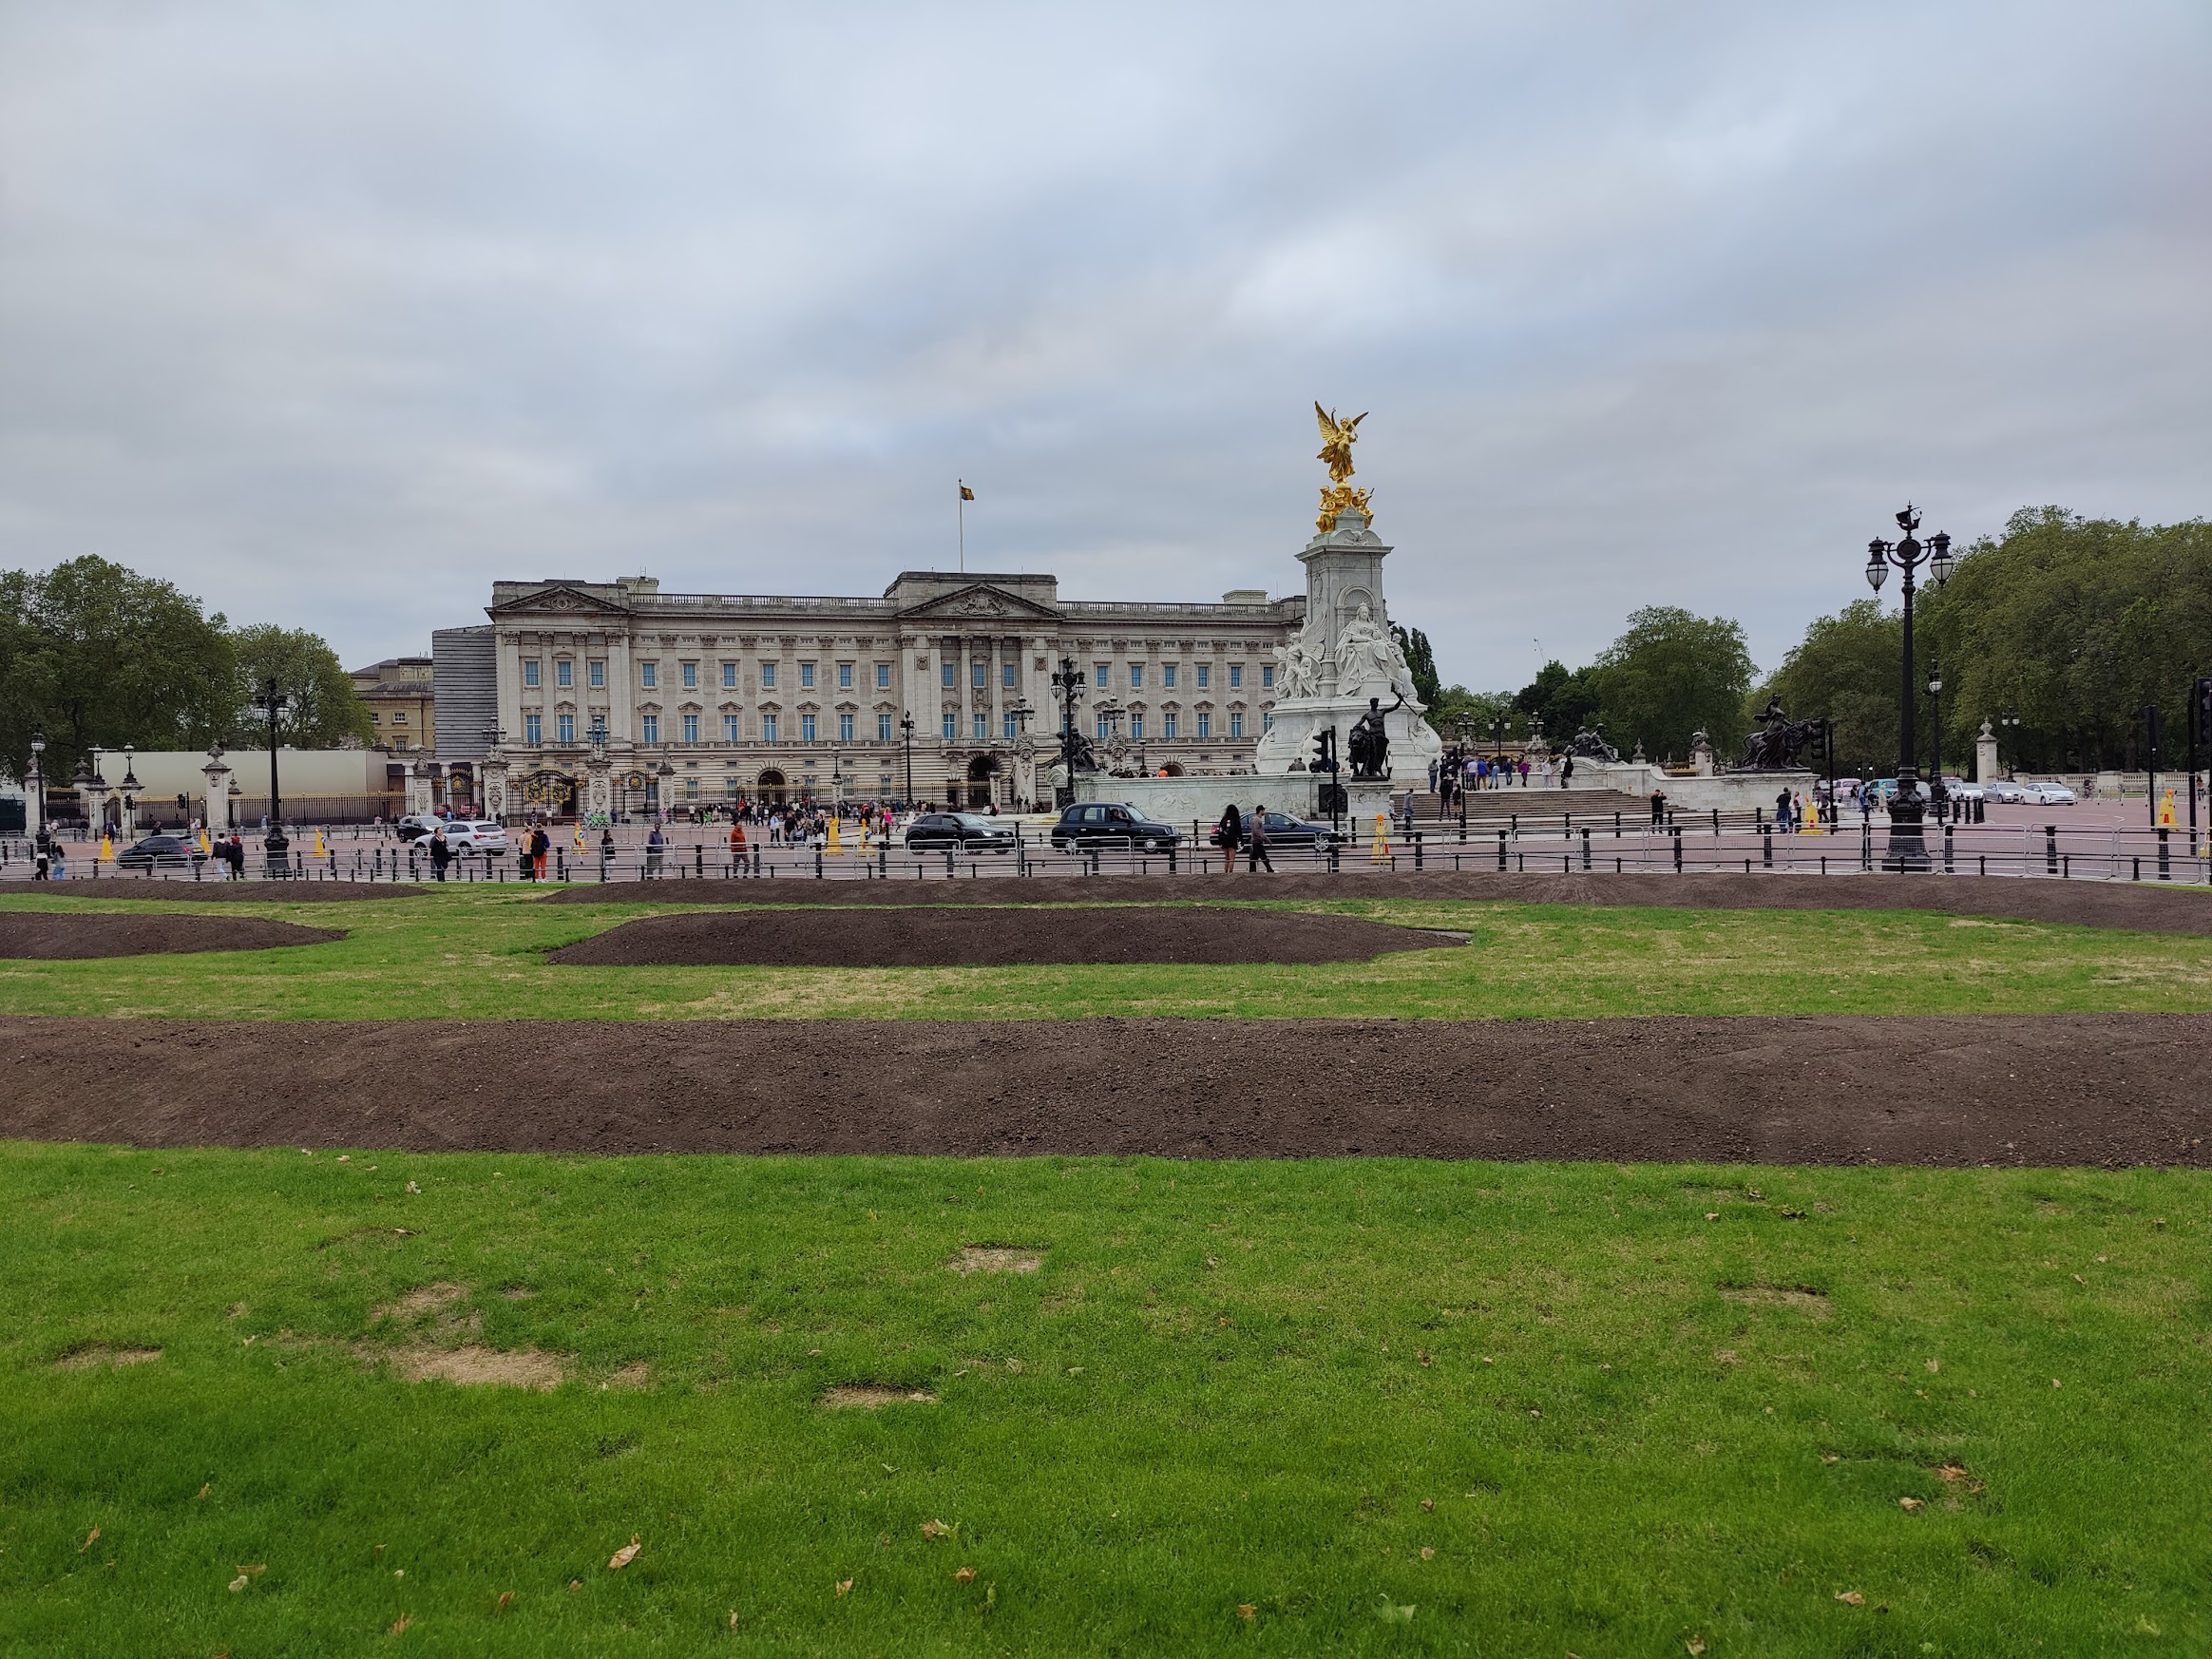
(1344, 656)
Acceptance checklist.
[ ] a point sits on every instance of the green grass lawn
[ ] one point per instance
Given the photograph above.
(1547, 1409)
(475, 954)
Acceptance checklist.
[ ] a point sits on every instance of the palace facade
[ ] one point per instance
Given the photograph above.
(709, 698)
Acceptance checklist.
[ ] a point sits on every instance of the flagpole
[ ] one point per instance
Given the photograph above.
(960, 506)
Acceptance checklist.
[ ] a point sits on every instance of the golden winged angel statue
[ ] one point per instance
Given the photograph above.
(1337, 438)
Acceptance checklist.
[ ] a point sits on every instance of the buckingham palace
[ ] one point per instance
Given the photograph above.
(614, 697)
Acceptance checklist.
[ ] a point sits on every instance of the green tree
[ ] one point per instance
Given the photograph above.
(322, 707)
(1846, 670)
(1421, 662)
(99, 656)
(1562, 700)
(1669, 676)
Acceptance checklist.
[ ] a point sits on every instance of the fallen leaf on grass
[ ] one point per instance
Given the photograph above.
(412, 1187)
(1391, 1613)
(1713, 1216)
(624, 1556)
(1427, 1553)
(935, 1528)
(1951, 1473)
(90, 1539)
(1428, 1503)
(733, 1618)
(1424, 1356)
(203, 1491)
(576, 1584)
(965, 1576)
(843, 1587)
(1934, 1366)
(1910, 1505)
(2055, 1383)
(507, 1599)
(400, 1624)
(1727, 1357)
(1695, 1645)
(1247, 1611)
(237, 1584)
(1850, 1598)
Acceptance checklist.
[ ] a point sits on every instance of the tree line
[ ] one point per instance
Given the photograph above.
(2066, 625)
(96, 655)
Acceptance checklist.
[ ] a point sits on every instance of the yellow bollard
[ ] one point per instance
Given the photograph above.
(833, 848)
(205, 847)
(1810, 816)
(2165, 812)
(1379, 850)
(321, 847)
(106, 847)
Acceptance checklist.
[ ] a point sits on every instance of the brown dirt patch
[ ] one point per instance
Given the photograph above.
(869, 1396)
(2148, 907)
(996, 1259)
(637, 1374)
(477, 1366)
(93, 1356)
(427, 1299)
(1799, 1300)
(171, 890)
(41, 936)
(955, 936)
(2046, 1089)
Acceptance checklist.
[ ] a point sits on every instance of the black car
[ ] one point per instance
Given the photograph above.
(160, 852)
(959, 832)
(1109, 824)
(1285, 830)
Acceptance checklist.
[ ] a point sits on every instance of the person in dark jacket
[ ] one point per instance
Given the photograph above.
(1256, 843)
(1229, 835)
(441, 853)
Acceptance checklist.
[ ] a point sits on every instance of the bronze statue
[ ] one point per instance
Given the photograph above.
(1776, 743)
(1370, 743)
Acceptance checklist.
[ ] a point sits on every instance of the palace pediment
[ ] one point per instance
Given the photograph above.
(979, 602)
(559, 595)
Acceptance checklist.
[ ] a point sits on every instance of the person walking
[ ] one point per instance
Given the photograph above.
(541, 844)
(1256, 843)
(737, 847)
(654, 843)
(1524, 771)
(1566, 772)
(441, 853)
(1781, 820)
(1231, 834)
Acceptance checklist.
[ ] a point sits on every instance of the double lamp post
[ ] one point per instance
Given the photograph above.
(1908, 847)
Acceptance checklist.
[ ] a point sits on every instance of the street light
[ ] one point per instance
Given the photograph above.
(2011, 721)
(1907, 849)
(1068, 682)
(273, 702)
(906, 734)
(130, 787)
(1936, 792)
(41, 840)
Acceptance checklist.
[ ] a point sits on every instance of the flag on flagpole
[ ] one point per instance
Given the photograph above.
(966, 494)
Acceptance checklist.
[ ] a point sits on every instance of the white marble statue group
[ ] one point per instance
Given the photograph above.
(1363, 654)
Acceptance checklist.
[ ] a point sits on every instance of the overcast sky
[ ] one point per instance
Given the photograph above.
(334, 315)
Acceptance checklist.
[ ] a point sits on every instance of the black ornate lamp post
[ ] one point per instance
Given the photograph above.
(2011, 721)
(1068, 682)
(130, 787)
(1908, 848)
(273, 702)
(1936, 792)
(906, 735)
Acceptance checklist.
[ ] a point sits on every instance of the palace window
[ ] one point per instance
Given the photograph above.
(1168, 727)
(1136, 728)
(845, 676)
(883, 728)
(1010, 729)
(1136, 677)
(805, 677)
(1007, 674)
(729, 676)
(649, 728)
(563, 674)
(1236, 725)
(1267, 722)
(649, 675)
(691, 728)
(947, 675)
(883, 677)
(691, 676)
(564, 725)
(951, 726)
(1266, 677)
(979, 675)
(1103, 731)
(732, 790)
(768, 677)
(1105, 675)
(1166, 676)
(690, 789)
(530, 673)
(806, 728)
(1205, 675)
(845, 728)
(728, 728)
(596, 672)
(768, 728)
(1236, 677)
(533, 730)
(1205, 724)
(982, 728)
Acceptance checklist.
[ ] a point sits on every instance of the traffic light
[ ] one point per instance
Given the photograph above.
(1324, 752)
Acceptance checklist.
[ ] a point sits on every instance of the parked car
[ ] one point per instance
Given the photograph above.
(161, 853)
(964, 831)
(1960, 789)
(1285, 830)
(1110, 824)
(486, 836)
(2048, 795)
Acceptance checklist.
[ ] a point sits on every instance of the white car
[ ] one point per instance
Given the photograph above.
(2047, 795)
(2005, 791)
(463, 835)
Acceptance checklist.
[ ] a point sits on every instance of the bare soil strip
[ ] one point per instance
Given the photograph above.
(43, 936)
(963, 937)
(1958, 1090)
(214, 891)
(2146, 908)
